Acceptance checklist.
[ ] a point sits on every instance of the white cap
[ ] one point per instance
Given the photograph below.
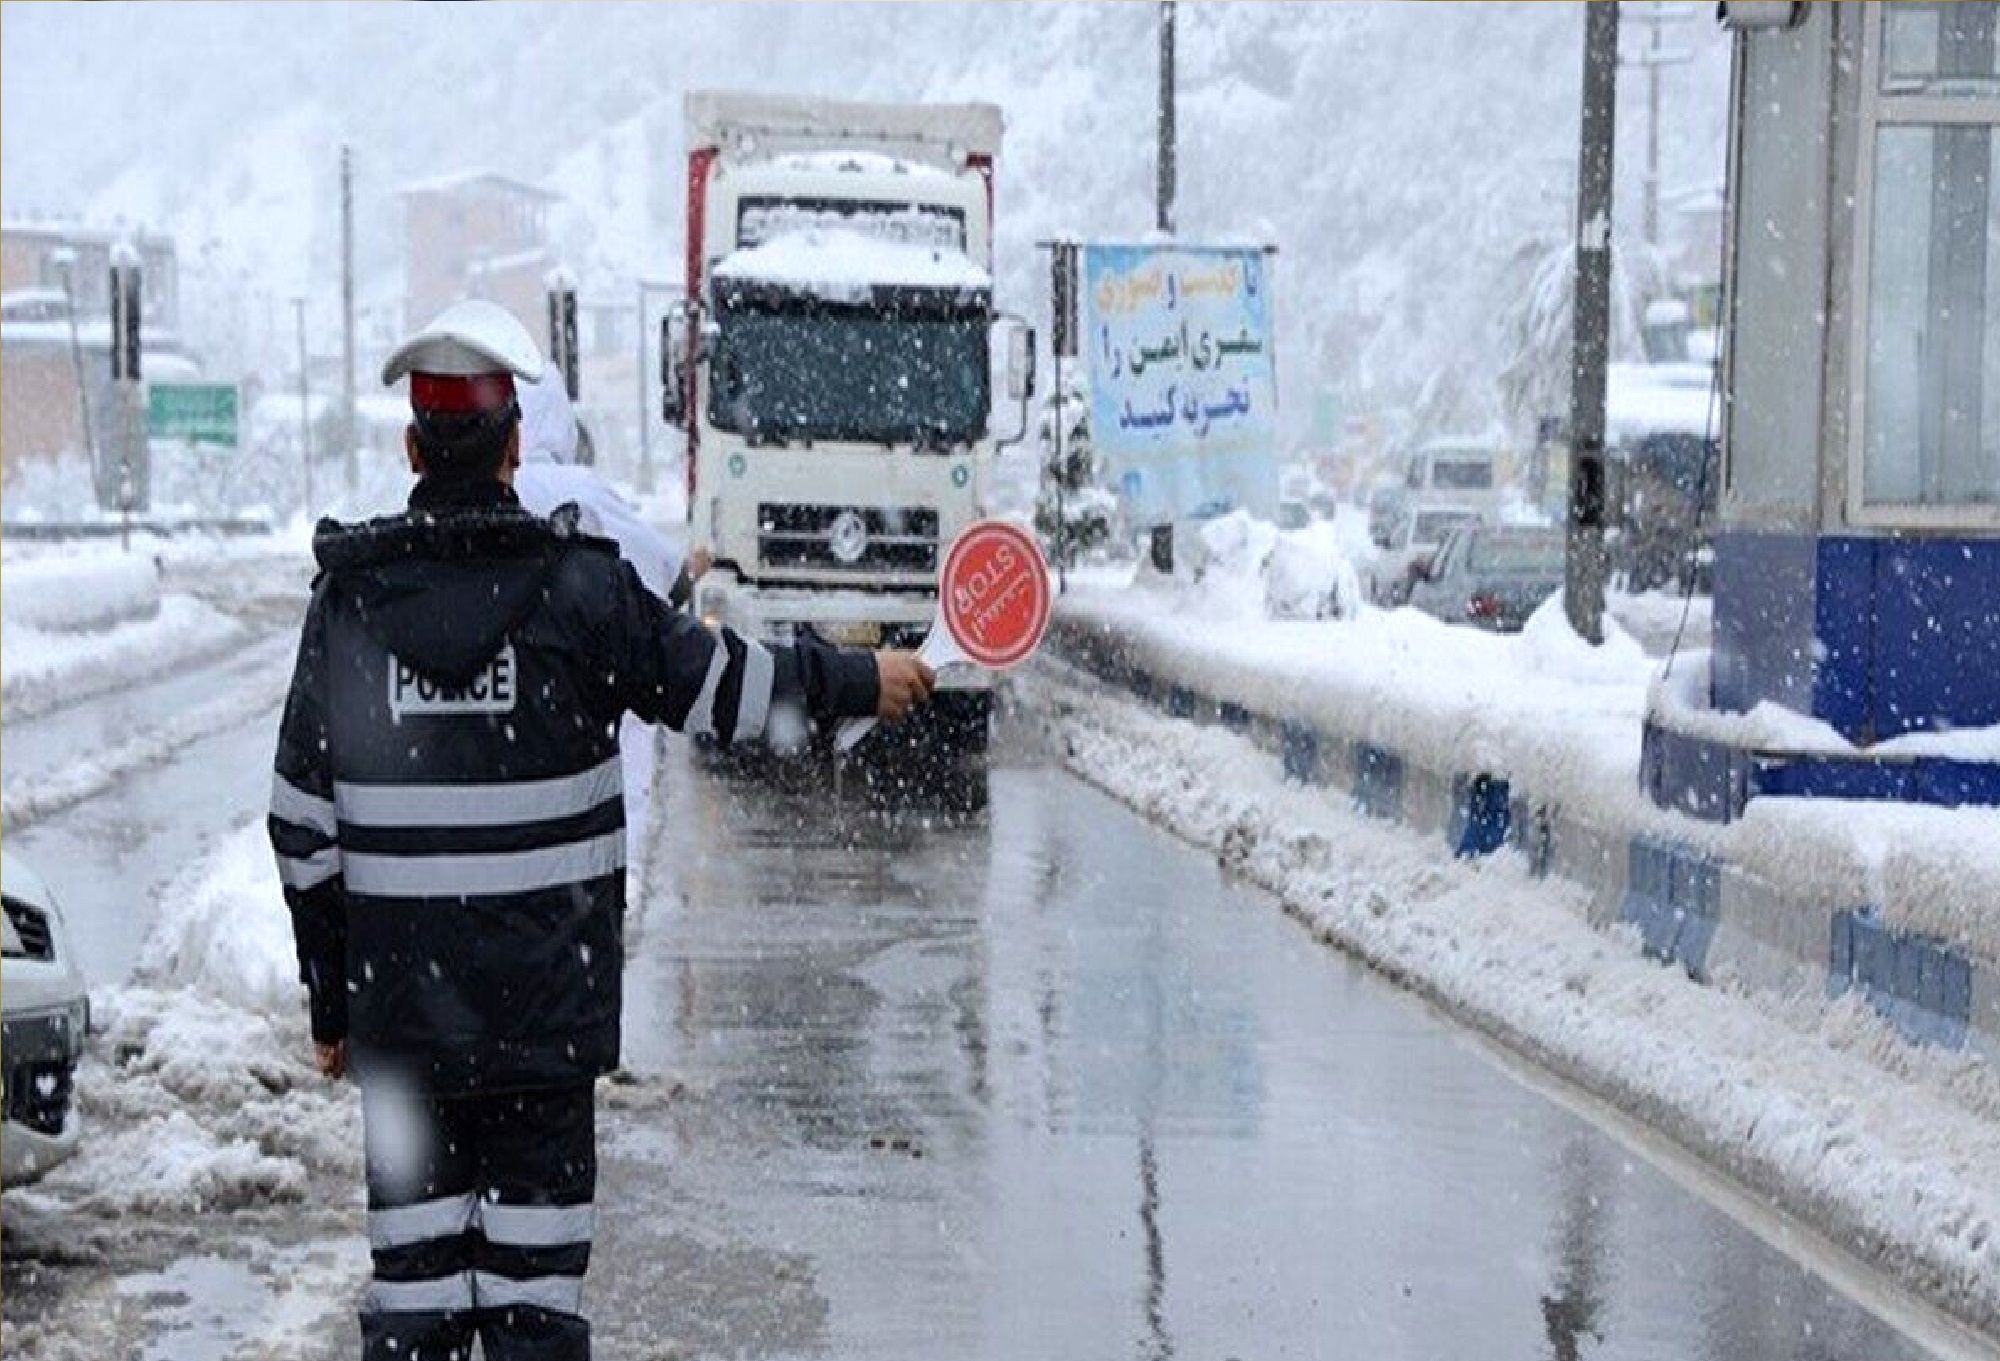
(468, 338)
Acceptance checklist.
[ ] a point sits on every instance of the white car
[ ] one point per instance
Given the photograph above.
(1420, 533)
(44, 1015)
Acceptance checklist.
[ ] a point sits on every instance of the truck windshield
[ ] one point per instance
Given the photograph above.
(1462, 474)
(867, 375)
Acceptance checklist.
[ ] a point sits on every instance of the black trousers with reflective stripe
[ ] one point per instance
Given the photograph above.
(479, 1219)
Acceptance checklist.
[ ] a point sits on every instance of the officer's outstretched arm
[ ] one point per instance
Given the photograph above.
(674, 671)
(306, 836)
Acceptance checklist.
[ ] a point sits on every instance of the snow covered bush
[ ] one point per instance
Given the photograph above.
(1308, 576)
(1247, 568)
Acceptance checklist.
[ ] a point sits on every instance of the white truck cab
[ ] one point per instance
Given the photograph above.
(833, 367)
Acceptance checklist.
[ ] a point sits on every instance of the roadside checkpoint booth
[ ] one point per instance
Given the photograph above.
(1857, 558)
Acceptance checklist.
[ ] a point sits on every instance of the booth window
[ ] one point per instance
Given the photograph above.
(1931, 418)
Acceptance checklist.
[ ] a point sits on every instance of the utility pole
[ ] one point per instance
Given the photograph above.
(1166, 183)
(65, 260)
(1653, 60)
(1584, 559)
(1166, 166)
(1062, 343)
(346, 422)
(305, 404)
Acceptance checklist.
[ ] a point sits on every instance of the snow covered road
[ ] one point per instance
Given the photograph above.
(1005, 1074)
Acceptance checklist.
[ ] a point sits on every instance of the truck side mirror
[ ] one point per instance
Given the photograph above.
(673, 370)
(1020, 363)
(1020, 375)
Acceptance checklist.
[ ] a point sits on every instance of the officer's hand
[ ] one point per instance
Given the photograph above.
(905, 683)
(330, 1059)
(699, 560)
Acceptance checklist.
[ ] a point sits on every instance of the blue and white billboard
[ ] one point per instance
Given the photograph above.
(1183, 389)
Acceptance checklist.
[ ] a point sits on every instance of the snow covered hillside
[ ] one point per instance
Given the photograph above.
(1409, 174)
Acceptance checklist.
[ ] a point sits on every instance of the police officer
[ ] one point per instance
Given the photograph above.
(449, 828)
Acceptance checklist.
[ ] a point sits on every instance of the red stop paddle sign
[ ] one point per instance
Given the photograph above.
(994, 595)
(993, 606)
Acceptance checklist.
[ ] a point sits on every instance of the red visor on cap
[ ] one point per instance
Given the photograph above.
(460, 393)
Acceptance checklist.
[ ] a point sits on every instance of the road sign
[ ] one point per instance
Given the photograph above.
(993, 596)
(993, 606)
(202, 413)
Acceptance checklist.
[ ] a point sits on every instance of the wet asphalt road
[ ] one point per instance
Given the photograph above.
(1040, 1082)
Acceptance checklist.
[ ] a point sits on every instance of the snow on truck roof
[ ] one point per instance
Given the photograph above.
(939, 134)
(842, 265)
(838, 162)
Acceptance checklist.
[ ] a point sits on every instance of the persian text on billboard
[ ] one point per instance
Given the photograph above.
(1183, 393)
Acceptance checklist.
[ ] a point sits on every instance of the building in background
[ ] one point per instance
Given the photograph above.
(41, 411)
(29, 260)
(477, 235)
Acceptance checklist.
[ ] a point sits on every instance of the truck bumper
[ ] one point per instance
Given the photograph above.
(853, 618)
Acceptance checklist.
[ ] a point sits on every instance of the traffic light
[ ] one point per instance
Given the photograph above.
(125, 310)
(562, 328)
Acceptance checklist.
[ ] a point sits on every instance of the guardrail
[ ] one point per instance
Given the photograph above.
(1689, 906)
(55, 531)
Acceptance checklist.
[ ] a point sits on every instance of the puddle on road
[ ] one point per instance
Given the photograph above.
(213, 1308)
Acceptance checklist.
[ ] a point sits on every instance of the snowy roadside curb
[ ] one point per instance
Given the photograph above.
(1890, 1149)
(1489, 742)
(80, 593)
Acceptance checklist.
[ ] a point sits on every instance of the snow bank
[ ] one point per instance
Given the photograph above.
(41, 670)
(1540, 708)
(82, 594)
(1248, 569)
(1892, 1150)
(223, 932)
(197, 1087)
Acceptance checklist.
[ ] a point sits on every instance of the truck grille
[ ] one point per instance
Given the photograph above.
(900, 539)
(31, 924)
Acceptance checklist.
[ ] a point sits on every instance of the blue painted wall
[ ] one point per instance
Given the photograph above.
(1878, 636)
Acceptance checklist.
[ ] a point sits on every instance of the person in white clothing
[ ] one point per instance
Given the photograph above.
(550, 477)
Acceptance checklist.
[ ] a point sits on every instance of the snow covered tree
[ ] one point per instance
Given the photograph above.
(1535, 327)
(1074, 513)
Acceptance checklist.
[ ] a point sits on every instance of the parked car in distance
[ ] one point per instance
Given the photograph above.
(1489, 576)
(44, 1015)
(1418, 537)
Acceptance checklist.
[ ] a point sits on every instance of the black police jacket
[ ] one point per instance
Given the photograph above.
(447, 809)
